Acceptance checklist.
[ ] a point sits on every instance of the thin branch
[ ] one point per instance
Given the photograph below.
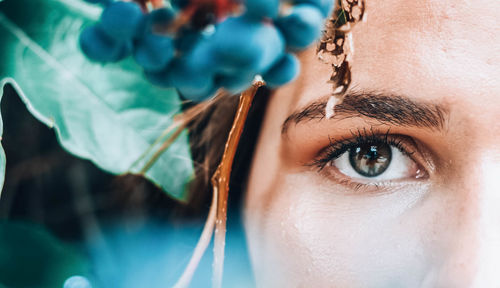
(221, 177)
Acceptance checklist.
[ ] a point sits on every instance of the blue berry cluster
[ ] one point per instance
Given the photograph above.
(198, 58)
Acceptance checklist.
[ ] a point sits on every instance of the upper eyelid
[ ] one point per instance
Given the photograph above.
(363, 135)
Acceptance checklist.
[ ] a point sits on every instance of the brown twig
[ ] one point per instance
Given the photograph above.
(221, 177)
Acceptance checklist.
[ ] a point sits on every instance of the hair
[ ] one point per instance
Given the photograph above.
(208, 131)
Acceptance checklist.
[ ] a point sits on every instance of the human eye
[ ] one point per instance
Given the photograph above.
(371, 158)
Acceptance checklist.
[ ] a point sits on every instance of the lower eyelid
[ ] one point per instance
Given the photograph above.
(357, 187)
(360, 186)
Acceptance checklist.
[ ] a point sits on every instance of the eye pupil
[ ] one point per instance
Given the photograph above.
(370, 160)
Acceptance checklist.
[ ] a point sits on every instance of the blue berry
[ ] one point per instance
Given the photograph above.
(155, 21)
(98, 46)
(301, 27)
(195, 84)
(282, 72)
(122, 20)
(191, 69)
(234, 83)
(259, 9)
(198, 94)
(196, 62)
(186, 39)
(201, 58)
(161, 16)
(325, 6)
(154, 52)
(240, 44)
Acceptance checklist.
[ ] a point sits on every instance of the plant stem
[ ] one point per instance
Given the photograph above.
(221, 178)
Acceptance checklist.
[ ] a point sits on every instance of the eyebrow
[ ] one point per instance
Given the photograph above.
(386, 108)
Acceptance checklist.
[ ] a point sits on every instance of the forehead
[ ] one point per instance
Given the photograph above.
(446, 50)
(430, 39)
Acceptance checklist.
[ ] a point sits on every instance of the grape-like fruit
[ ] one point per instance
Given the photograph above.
(282, 72)
(186, 39)
(234, 83)
(195, 84)
(98, 46)
(198, 61)
(198, 94)
(301, 27)
(244, 45)
(153, 52)
(259, 9)
(161, 16)
(122, 20)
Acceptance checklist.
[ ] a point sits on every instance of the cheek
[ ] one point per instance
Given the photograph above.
(311, 234)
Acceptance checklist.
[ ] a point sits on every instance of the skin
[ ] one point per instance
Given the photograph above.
(312, 228)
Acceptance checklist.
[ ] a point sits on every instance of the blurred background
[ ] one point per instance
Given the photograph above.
(63, 221)
(62, 216)
(46, 185)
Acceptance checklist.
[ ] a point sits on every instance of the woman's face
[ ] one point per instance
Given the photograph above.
(401, 187)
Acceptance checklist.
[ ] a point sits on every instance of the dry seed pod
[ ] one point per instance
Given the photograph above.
(335, 45)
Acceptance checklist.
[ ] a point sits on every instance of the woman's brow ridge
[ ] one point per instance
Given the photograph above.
(387, 109)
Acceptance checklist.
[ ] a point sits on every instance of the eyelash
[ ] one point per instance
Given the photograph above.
(339, 147)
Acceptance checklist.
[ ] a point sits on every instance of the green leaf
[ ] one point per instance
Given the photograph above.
(108, 114)
(32, 257)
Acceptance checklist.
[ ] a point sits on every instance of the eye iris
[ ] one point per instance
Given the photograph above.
(370, 160)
